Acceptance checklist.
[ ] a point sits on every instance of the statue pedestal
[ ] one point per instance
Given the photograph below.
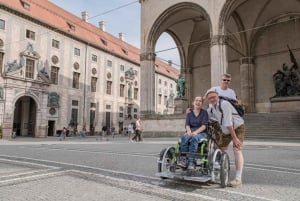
(180, 105)
(285, 104)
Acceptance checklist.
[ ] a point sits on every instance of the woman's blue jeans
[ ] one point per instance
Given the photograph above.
(193, 146)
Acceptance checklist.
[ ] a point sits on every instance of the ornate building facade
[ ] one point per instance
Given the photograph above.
(246, 38)
(58, 70)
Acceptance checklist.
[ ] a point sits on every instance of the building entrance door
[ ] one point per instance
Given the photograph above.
(25, 117)
(51, 127)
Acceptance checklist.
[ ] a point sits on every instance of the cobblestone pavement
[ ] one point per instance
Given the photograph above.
(90, 169)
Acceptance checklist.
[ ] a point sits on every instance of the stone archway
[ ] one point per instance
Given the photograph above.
(257, 33)
(188, 24)
(25, 115)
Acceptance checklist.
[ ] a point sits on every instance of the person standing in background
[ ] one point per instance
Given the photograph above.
(223, 90)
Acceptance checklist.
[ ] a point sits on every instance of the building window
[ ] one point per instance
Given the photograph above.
(122, 89)
(122, 67)
(135, 110)
(25, 5)
(54, 75)
(171, 86)
(94, 58)
(159, 99)
(124, 51)
(108, 107)
(135, 94)
(55, 43)
(121, 114)
(2, 24)
(109, 63)
(104, 42)
(108, 87)
(93, 84)
(71, 26)
(30, 34)
(166, 84)
(159, 81)
(76, 52)
(135, 116)
(76, 80)
(74, 117)
(93, 105)
(75, 103)
(29, 68)
(165, 100)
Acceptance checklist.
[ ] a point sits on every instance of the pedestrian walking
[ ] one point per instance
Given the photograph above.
(82, 133)
(138, 130)
(63, 134)
(113, 130)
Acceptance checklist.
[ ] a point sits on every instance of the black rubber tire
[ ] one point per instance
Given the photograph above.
(170, 155)
(225, 169)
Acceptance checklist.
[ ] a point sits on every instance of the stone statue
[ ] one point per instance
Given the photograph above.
(180, 86)
(170, 101)
(287, 81)
(53, 99)
(1, 92)
(12, 66)
(130, 90)
(129, 74)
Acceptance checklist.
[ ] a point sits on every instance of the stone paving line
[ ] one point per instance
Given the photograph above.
(95, 140)
(76, 185)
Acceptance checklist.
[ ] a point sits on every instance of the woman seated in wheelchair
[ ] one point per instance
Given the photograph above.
(196, 122)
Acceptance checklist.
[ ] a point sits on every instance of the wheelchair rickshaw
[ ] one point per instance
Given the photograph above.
(212, 165)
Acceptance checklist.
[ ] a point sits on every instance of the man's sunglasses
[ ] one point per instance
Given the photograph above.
(225, 80)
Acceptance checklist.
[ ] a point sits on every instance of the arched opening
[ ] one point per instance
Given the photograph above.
(25, 117)
(166, 50)
(189, 26)
(258, 33)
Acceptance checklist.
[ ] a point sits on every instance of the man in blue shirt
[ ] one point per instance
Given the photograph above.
(196, 122)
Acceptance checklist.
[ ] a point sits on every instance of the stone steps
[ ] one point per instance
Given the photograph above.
(273, 126)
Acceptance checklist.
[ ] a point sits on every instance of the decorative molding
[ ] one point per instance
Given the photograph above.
(94, 71)
(247, 60)
(219, 40)
(148, 56)
(188, 70)
(54, 59)
(76, 65)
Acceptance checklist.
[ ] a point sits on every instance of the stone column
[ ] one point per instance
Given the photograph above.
(247, 83)
(147, 80)
(219, 63)
(187, 74)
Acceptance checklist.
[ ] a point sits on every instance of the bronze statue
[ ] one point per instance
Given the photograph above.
(287, 81)
(180, 87)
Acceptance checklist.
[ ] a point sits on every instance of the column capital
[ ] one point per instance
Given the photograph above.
(219, 40)
(247, 60)
(188, 70)
(148, 56)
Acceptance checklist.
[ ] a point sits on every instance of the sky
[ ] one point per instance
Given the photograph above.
(125, 19)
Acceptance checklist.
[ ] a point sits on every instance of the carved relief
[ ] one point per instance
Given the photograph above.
(53, 99)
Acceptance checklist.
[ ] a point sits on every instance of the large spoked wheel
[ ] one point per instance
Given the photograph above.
(166, 160)
(215, 165)
(224, 171)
